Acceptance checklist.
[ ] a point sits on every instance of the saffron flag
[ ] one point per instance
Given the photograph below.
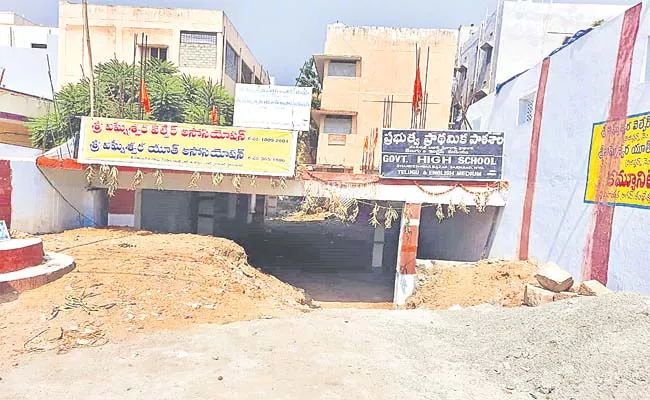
(417, 91)
(214, 115)
(144, 97)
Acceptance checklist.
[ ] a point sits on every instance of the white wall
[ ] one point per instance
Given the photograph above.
(532, 30)
(36, 207)
(578, 94)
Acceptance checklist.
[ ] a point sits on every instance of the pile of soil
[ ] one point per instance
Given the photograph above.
(442, 285)
(127, 282)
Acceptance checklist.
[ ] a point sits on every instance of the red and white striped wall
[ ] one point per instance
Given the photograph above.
(603, 76)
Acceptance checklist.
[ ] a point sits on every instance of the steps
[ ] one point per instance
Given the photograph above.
(24, 266)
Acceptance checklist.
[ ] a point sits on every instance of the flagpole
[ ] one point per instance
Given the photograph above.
(84, 6)
(141, 75)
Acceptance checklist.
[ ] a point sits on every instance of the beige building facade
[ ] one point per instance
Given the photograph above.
(200, 42)
(360, 68)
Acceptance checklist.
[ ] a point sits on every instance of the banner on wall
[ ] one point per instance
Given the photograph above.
(189, 147)
(273, 107)
(441, 155)
(629, 185)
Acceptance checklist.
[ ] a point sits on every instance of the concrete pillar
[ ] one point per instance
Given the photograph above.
(378, 248)
(138, 209)
(252, 201)
(271, 206)
(232, 205)
(405, 277)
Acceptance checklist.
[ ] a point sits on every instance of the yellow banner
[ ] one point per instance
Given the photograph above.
(203, 148)
(629, 184)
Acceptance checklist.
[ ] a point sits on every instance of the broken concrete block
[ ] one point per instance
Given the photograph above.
(593, 288)
(554, 278)
(564, 296)
(535, 296)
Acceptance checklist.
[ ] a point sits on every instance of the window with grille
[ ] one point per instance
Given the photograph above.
(232, 62)
(338, 124)
(526, 109)
(346, 69)
(199, 38)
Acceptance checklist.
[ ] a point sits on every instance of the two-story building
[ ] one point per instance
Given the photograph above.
(202, 43)
(360, 68)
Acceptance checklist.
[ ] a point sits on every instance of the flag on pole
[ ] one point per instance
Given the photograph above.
(144, 97)
(214, 115)
(417, 91)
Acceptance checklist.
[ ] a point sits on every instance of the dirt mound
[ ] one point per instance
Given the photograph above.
(444, 284)
(131, 281)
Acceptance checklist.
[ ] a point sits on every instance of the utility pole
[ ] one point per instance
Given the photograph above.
(84, 4)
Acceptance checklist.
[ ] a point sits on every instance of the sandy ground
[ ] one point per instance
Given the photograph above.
(444, 284)
(129, 282)
(587, 348)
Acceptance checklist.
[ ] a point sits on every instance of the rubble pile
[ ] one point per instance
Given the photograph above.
(556, 284)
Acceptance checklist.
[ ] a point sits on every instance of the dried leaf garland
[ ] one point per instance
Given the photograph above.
(90, 174)
(137, 179)
(236, 183)
(407, 221)
(390, 217)
(374, 221)
(481, 202)
(355, 211)
(440, 215)
(217, 178)
(253, 180)
(104, 170)
(194, 180)
(159, 179)
(451, 209)
(273, 182)
(112, 182)
(283, 183)
(463, 208)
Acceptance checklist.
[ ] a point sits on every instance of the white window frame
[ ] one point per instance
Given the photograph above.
(526, 109)
(336, 116)
(350, 62)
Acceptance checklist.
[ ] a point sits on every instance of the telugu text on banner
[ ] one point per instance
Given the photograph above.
(176, 146)
(629, 184)
(441, 155)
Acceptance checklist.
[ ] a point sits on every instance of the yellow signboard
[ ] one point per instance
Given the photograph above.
(627, 183)
(203, 148)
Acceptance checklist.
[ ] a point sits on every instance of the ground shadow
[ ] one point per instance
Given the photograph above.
(330, 260)
(8, 294)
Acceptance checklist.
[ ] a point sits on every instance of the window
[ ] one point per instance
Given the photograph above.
(198, 49)
(39, 46)
(246, 73)
(526, 109)
(346, 69)
(338, 124)
(232, 63)
(199, 38)
(158, 52)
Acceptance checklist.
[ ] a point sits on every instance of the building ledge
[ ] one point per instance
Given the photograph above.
(320, 59)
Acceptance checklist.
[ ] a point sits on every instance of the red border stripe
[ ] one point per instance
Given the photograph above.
(524, 238)
(5, 191)
(597, 249)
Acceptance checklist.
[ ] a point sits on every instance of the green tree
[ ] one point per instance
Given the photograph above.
(308, 141)
(173, 97)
